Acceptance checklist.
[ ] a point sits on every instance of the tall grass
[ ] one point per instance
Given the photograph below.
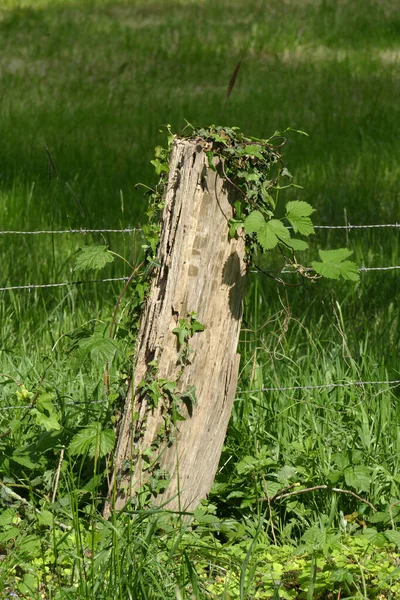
(93, 82)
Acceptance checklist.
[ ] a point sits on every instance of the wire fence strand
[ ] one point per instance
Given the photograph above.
(66, 231)
(133, 229)
(389, 383)
(34, 286)
(69, 403)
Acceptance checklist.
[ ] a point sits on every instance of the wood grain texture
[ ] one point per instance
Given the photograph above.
(202, 270)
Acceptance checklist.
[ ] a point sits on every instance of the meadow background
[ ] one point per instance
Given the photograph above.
(93, 82)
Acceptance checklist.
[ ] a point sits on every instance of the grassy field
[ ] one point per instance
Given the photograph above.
(85, 88)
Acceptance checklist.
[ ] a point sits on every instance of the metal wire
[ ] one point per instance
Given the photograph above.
(348, 226)
(63, 284)
(131, 230)
(82, 231)
(294, 272)
(379, 268)
(393, 383)
(33, 286)
(73, 402)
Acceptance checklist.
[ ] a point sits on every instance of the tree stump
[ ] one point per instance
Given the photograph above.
(202, 271)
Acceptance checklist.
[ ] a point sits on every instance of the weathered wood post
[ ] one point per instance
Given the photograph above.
(202, 271)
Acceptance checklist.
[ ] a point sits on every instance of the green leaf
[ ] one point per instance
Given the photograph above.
(93, 257)
(210, 156)
(314, 537)
(298, 213)
(23, 459)
(182, 331)
(7, 516)
(252, 150)
(45, 413)
(94, 440)
(234, 225)
(159, 166)
(285, 474)
(393, 536)
(358, 477)
(374, 537)
(98, 347)
(342, 576)
(49, 422)
(9, 534)
(188, 396)
(269, 233)
(45, 517)
(297, 244)
(246, 465)
(334, 265)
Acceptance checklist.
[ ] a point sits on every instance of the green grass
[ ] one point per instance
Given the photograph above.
(93, 82)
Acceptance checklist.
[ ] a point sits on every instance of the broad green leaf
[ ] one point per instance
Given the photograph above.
(93, 257)
(297, 244)
(279, 229)
(94, 440)
(45, 413)
(393, 536)
(269, 233)
(49, 422)
(7, 516)
(254, 222)
(299, 208)
(335, 265)
(24, 460)
(246, 465)
(314, 537)
(358, 477)
(285, 474)
(272, 487)
(252, 150)
(28, 585)
(298, 213)
(101, 348)
(342, 576)
(45, 517)
(374, 537)
(9, 533)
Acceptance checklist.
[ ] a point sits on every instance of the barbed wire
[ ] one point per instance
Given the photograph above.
(391, 383)
(133, 229)
(348, 226)
(364, 269)
(33, 286)
(72, 402)
(295, 272)
(65, 231)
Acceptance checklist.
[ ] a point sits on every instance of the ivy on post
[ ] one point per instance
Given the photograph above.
(178, 407)
(219, 195)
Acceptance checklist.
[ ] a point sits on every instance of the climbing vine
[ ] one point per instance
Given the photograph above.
(255, 168)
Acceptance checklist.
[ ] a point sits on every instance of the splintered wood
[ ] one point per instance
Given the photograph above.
(201, 271)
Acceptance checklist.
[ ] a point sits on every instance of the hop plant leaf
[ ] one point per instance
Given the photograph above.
(335, 265)
(92, 439)
(269, 233)
(93, 257)
(298, 214)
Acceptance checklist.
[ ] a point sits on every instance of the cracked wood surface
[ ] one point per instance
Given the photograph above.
(202, 270)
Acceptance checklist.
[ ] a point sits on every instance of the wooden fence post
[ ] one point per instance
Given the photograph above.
(202, 271)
